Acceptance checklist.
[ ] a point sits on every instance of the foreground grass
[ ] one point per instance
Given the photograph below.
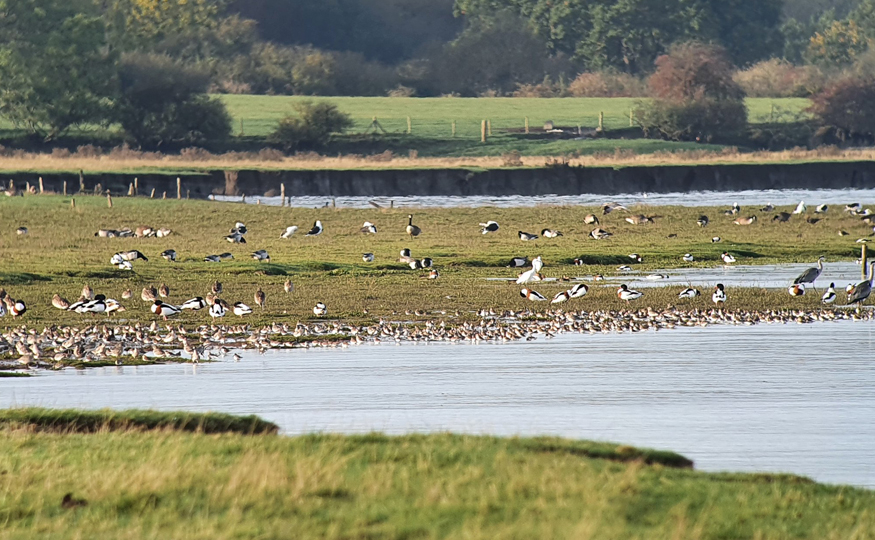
(61, 254)
(166, 484)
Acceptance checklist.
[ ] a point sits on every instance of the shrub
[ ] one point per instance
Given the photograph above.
(607, 84)
(313, 125)
(402, 91)
(541, 90)
(696, 98)
(779, 78)
(847, 106)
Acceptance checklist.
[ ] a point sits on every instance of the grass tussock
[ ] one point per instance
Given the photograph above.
(81, 421)
(192, 485)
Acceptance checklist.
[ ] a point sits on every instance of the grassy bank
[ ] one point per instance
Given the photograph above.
(60, 254)
(135, 484)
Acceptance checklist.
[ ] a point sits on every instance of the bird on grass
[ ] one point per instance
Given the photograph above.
(163, 291)
(796, 290)
(635, 257)
(261, 256)
(590, 219)
(236, 238)
(164, 310)
(527, 237)
(368, 228)
(534, 296)
(688, 258)
(368, 257)
(319, 309)
(561, 296)
(405, 257)
(518, 262)
(59, 302)
(241, 309)
(821, 209)
(169, 255)
(719, 295)
(289, 231)
(733, 211)
(226, 255)
(716, 239)
(745, 220)
(87, 292)
(627, 294)
(782, 217)
(195, 304)
(488, 227)
(727, 258)
(216, 288)
(550, 233)
(800, 208)
(830, 295)
(702, 221)
(433, 274)
(218, 308)
(412, 229)
(599, 234)
(316, 230)
(689, 292)
(810, 275)
(768, 208)
(259, 298)
(21, 231)
(288, 286)
(212, 259)
(534, 274)
(578, 291)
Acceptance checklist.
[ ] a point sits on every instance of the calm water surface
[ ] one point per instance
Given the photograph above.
(779, 398)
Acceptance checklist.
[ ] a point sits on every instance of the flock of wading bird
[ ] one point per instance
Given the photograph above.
(89, 302)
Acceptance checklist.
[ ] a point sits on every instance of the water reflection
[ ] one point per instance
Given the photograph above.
(764, 398)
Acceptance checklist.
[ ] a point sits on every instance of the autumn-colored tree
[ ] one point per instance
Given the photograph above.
(847, 106)
(839, 44)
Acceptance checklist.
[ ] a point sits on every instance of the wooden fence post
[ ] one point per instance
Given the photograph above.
(65, 188)
(131, 189)
(489, 127)
(81, 181)
(527, 125)
(454, 128)
(282, 194)
(601, 121)
(178, 188)
(409, 126)
(108, 199)
(136, 186)
(483, 131)
(152, 195)
(41, 188)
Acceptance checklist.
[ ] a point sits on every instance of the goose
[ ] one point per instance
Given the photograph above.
(216, 288)
(106, 233)
(163, 291)
(412, 229)
(241, 309)
(164, 310)
(226, 255)
(405, 256)
(812, 220)
(796, 289)
(716, 239)
(195, 304)
(560, 297)
(289, 231)
(261, 256)
(862, 290)
(534, 296)
(821, 209)
(853, 207)
(144, 231)
(727, 258)
(610, 207)
(702, 221)
(688, 258)
(590, 219)
(830, 295)
(260, 298)
(239, 228)
(21, 231)
(625, 293)
(415, 264)
(768, 208)
(533, 274)
(599, 234)
(732, 211)
(236, 238)
(368, 257)
(369, 228)
(488, 227)
(843, 233)
(526, 237)
(689, 292)
(811, 274)
(149, 294)
(60, 303)
(163, 233)
(212, 259)
(656, 277)
(87, 292)
(782, 217)
(518, 262)
(624, 268)
(640, 219)
(288, 286)
(637, 258)
(169, 255)
(550, 233)
(125, 265)
(578, 291)
(319, 309)
(132, 255)
(316, 230)
(218, 309)
(745, 221)
(800, 208)
(719, 295)
(127, 294)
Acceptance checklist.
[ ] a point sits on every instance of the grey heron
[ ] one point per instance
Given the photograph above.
(862, 290)
(810, 275)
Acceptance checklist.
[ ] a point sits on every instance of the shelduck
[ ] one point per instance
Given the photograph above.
(727, 258)
(241, 309)
(830, 295)
(560, 297)
(532, 295)
(627, 294)
(689, 292)
(796, 289)
(164, 310)
(688, 258)
(195, 304)
(319, 309)
(719, 295)
(578, 291)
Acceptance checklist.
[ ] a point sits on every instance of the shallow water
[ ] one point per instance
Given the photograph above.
(777, 398)
(769, 276)
(758, 198)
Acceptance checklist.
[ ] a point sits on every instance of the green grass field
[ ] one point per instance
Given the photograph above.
(167, 484)
(60, 254)
(432, 118)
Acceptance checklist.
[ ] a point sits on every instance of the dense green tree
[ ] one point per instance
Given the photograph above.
(311, 125)
(55, 71)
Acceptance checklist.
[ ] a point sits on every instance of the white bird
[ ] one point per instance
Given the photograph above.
(164, 310)
(534, 274)
(550, 233)
(727, 258)
(194, 304)
(796, 289)
(532, 295)
(261, 256)
(218, 309)
(319, 309)
(656, 277)
(526, 237)
(600, 234)
(368, 257)
(241, 309)
(688, 258)
(800, 208)
(578, 291)
(316, 230)
(369, 228)
(624, 268)
(625, 293)
(239, 228)
(715, 239)
(212, 258)
(821, 209)
(719, 295)
(560, 297)
(488, 227)
(289, 231)
(21, 231)
(169, 255)
(830, 295)
(235, 238)
(689, 292)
